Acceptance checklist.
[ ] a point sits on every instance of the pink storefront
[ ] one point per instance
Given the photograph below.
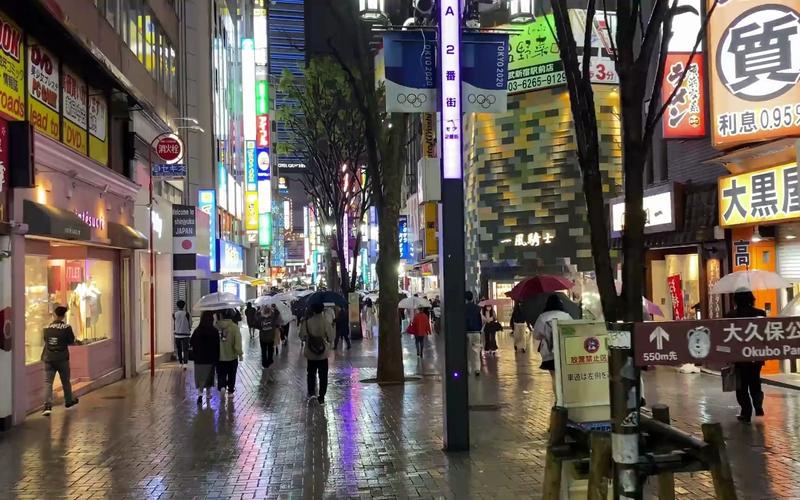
(77, 252)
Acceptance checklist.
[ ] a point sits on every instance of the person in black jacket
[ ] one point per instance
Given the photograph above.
(748, 374)
(251, 315)
(205, 345)
(474, 325)
(58, 336)
(266, 336)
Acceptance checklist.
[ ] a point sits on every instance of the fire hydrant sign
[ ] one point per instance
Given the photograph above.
(716, 341)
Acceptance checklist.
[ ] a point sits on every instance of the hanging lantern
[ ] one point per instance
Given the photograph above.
(372, 10)
(520, 11)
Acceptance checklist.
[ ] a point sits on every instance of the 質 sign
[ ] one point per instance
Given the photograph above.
(755, 67)
(716, 341)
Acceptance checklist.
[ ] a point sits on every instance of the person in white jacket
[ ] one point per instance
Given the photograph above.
(543, 331)
(519, 328)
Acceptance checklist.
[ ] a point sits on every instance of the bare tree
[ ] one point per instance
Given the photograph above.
(639, 51)
(332, 137)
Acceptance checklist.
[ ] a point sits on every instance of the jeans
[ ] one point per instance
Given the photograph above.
(267, 353)
(748, 377)
(226, 375)
(474, 351)
(50, 369)
(315, 366)
(420, 342)
(345, 336)
(182, 349)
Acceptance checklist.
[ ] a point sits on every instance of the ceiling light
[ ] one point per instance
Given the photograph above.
(372, 10)
(520, 11)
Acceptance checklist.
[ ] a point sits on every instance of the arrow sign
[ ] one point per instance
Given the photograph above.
(659, 335)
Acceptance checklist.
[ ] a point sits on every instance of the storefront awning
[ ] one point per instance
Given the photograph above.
(44, 220)
(123, 236)
(240, 278)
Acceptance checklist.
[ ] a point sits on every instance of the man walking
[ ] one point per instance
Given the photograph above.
(474, 325)
(317, 331)
(342, 327)
(183, 331)
(58, 336)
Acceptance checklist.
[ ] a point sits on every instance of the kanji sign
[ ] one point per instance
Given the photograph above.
(534, 239)
(262, 131)
(685, 114)
(716, 341)
(755, 68)
(169, 149)
(450, 64)
(772, 194)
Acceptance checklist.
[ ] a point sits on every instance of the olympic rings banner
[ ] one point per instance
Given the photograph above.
(484, 72)
(409, 72)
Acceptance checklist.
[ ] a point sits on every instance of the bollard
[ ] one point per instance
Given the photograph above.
(599, 466)
(666, 480)
(552, 464)
(719, 466)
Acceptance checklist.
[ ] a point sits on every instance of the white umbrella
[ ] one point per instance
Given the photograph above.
(287, 297)
(372, 296)
(413, 303)
(748, 281)
(218, 300)
(430, 294)
(283, 309)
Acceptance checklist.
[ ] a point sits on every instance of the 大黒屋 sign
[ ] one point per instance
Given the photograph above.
(772, 194)
(754, 49)
(716, 341)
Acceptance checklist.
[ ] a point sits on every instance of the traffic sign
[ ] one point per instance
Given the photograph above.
(716, 340)
(169, 148)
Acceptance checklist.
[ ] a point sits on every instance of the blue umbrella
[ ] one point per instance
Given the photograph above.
(326, 297)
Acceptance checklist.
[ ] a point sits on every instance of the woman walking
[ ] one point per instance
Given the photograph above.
(489, 320)
(266, 336)
(543, 330)
(420, 328)
(205, 345)
(369, 318)
(520, 328)
(317, 332)
(230, 352)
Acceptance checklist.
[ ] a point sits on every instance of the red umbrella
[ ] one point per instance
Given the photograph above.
(544, 283)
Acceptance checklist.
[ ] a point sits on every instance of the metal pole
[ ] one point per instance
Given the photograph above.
(625, 397)
(152, 267)
(451, 247)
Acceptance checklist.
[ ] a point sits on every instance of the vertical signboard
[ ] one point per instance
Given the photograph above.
(402, 238)
(262, 131)
(754, 48)
(207, 202)
(264, 185)
(12, 70)
(73, 102)
(43, 90)
(4, 170)
(98, 126)
(429, 136)
(484, 66)
(450, 98)
(410, 71)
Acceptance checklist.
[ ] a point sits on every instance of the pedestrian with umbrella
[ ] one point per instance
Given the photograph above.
(543, 331)
(748, 374)
(205, 347)
(490, 328)
(230, 352)
(520, 328)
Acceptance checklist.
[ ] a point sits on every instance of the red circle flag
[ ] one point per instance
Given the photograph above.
(169, 149)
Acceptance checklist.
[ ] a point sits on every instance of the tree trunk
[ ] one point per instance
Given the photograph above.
(356, 252)
(344, 280)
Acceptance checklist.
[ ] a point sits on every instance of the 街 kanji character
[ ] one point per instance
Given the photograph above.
(764, 200)
(791, 189)
(733, 194)
(763, 51)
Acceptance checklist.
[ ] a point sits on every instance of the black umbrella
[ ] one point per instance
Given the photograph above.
(533, 307)
(326, 297)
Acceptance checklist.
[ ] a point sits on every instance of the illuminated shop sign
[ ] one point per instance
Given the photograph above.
(659, 207)
(231, 257)
(534, 239)
(207, 202)
(450, 79)
(768, 195)
(754, 48)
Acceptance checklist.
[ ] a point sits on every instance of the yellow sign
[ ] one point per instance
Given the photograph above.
(74, 109)
(581, 357)
(429, 135)
(98, 126)
(431, 214)
(251, 211)
(768, 195)
(12, 70)
(43, 90)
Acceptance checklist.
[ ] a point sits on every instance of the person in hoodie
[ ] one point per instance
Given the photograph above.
(230, 352)
(58, 336)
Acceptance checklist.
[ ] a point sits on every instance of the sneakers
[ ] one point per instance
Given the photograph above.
(71, 403)
(47, 411)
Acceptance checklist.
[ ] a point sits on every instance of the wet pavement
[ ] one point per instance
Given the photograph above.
(149, 439)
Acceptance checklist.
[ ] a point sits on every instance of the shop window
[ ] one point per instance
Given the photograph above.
(68, 276)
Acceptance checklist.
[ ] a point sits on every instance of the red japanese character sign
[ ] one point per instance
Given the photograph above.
(685, 114)
(716, 341)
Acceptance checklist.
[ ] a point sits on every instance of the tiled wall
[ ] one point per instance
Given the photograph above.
(522, 176)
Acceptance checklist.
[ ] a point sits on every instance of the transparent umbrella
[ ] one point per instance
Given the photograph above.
(218, 300)
(749, 280)
(284, 310)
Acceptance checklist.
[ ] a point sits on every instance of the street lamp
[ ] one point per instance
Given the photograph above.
(372, 10)
(520, 11)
